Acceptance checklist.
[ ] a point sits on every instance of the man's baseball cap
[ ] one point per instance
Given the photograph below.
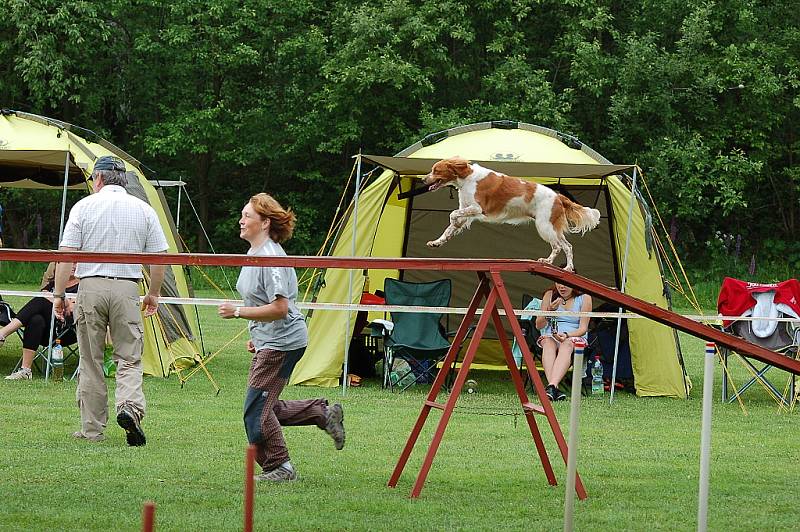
(109, 162)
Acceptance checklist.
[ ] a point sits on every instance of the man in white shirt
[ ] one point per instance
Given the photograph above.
(111, 220)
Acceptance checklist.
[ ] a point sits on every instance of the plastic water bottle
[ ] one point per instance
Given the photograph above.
(57, 360)
(597, 376)
(472, 386)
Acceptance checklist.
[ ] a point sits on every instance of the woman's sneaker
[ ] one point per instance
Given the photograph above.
(22, 374)
(279, 474)
(334, 425)
(559, 395)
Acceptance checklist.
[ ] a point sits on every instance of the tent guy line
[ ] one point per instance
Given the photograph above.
(421, 310)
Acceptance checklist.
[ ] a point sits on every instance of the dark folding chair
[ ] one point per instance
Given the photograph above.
(418, 338)
(6, 315)
(528, 326)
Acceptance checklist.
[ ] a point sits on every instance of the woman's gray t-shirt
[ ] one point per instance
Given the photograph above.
(261, 285)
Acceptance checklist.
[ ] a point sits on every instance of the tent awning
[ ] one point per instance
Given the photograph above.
(414, 166)
(39, 169)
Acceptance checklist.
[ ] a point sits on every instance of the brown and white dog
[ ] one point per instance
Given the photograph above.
(492, 197)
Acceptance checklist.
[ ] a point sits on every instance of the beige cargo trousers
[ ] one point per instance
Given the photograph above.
(114, 304)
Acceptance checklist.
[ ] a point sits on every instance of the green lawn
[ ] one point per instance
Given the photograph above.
(639, 460)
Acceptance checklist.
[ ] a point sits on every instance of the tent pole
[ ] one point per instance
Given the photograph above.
(622, 288)
(60, 235)
(348, 334)
(208, 239)
(178, 216)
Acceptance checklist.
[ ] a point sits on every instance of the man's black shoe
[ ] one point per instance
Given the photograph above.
(133, 432)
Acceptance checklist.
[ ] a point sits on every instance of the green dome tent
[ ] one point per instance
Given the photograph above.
(38, 153)
(388, 226)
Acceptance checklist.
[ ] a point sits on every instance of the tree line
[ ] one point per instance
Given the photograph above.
(236, 97)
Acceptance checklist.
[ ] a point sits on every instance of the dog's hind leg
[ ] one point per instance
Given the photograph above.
(549, 235)
(553, 254)
(567, 247)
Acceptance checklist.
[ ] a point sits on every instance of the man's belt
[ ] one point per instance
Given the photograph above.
(131, 279)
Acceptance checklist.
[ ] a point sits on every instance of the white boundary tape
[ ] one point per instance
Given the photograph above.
(427, 310)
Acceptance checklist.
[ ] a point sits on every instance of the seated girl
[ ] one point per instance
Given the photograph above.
(559, 333)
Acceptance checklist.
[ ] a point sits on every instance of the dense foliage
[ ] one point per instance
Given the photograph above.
(236, 97)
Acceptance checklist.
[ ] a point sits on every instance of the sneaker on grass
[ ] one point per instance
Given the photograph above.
(279, 474)
(22, 374)
(130, 424)
(334, 426)
(550, 390)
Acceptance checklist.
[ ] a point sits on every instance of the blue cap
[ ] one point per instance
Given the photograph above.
(109, 162)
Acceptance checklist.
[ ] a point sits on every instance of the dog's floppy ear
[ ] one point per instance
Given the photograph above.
(460, 166)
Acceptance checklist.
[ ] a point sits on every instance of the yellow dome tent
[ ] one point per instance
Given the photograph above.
(388, 226)
(41, 153)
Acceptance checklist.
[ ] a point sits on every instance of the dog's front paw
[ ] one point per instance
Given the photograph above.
(434, 244)
(545, 260)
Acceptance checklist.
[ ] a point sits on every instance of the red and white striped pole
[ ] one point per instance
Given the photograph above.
(705, 437)
(572, 445)
(249, 460)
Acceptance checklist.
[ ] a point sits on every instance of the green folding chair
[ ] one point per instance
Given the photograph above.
(419, 338)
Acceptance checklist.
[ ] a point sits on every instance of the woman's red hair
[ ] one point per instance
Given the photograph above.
(281, 220)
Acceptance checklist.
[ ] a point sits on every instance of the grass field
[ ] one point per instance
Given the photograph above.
(639, 460)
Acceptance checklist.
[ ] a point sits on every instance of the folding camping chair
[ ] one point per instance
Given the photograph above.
(70, 349)
(418, 338)
(7, 314)
(783, 340)
(780, 337)
(40, 358)
(531, 333)
(528, 326)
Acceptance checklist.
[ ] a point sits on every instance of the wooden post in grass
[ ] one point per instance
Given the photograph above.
(705, 437)
(249, 460)
(148, 516)
(572, 447)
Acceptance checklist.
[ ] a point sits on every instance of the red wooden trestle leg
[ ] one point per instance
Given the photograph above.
(493, 289)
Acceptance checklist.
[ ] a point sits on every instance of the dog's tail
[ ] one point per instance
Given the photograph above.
(580, 219)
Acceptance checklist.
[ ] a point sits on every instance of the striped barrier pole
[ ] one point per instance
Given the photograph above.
(705, 437)
(572, 446)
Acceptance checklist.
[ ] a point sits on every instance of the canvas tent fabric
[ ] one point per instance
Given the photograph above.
(36, 152)
(391, 227)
